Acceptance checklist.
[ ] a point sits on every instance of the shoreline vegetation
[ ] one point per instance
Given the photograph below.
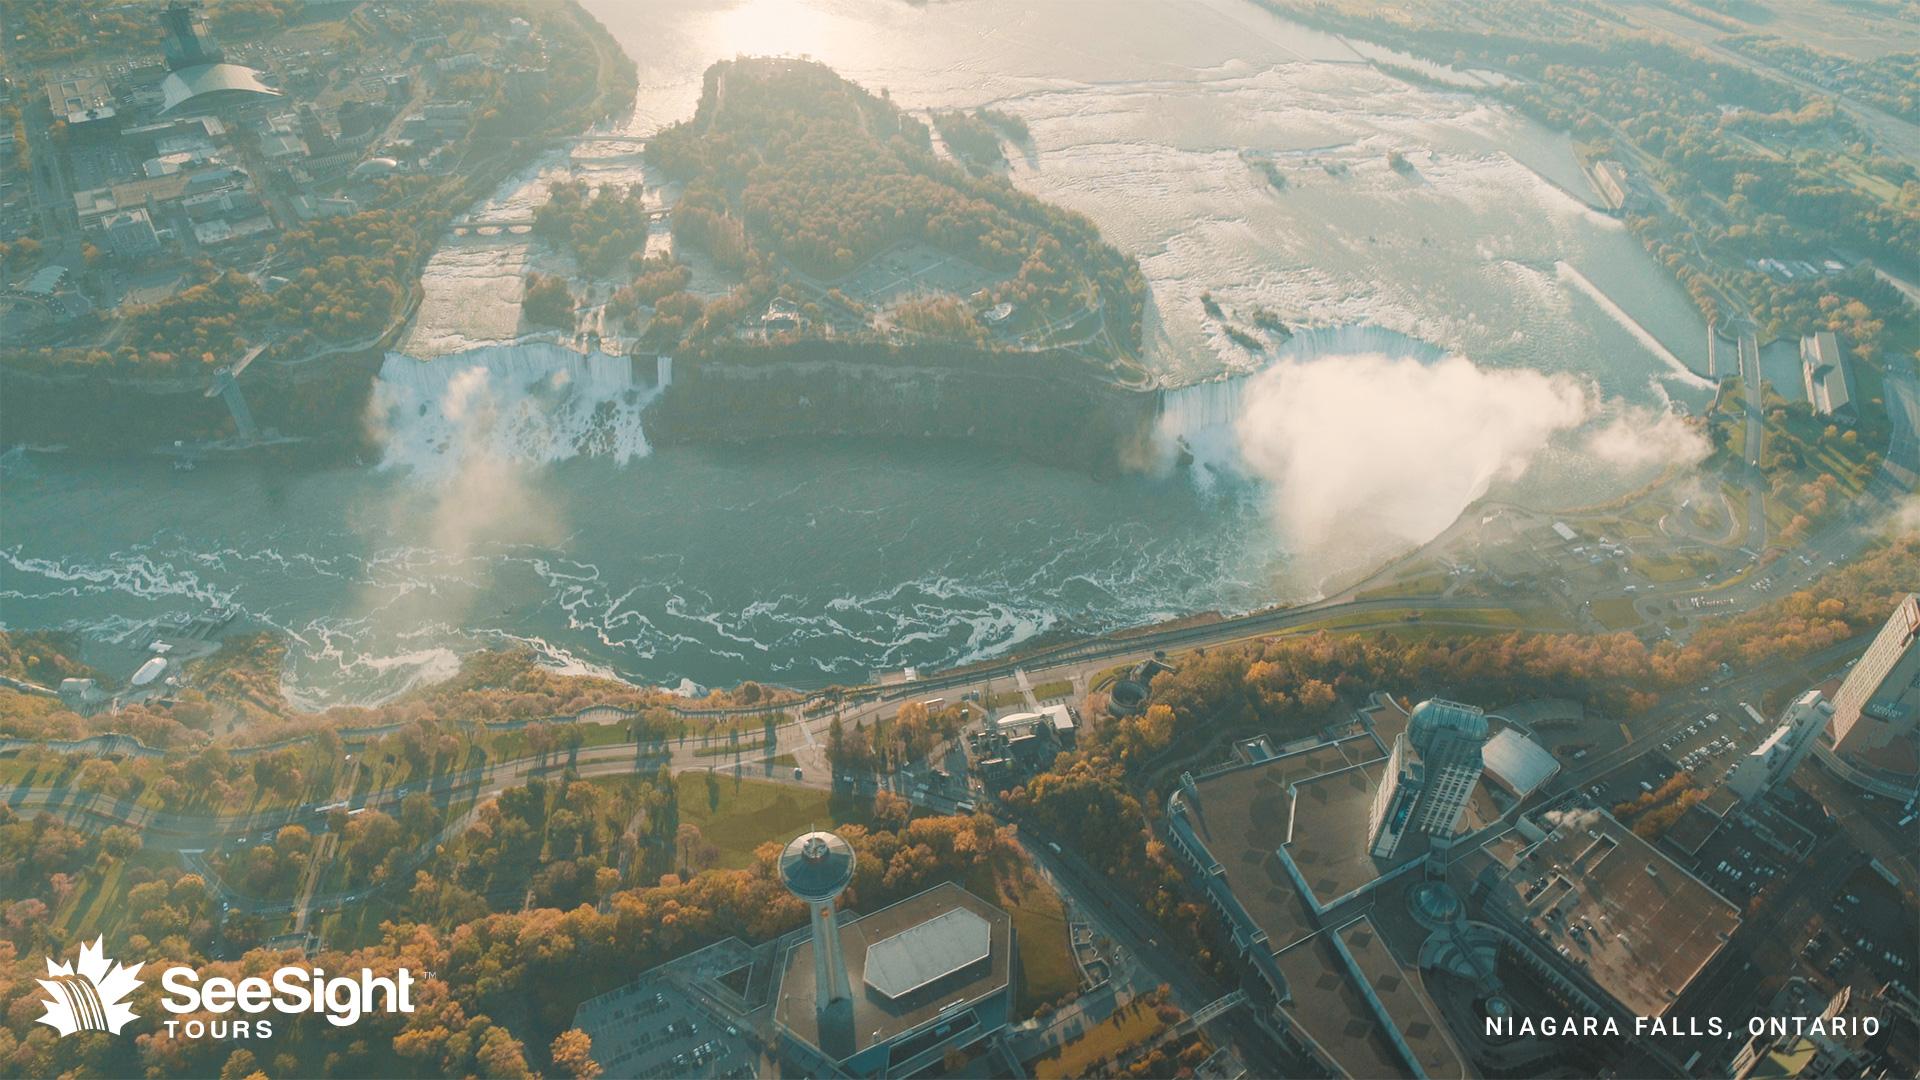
(572, 884)
(231, 701)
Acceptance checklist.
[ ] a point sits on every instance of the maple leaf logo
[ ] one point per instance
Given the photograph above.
(90, 995)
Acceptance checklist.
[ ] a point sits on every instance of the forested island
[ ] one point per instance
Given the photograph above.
(800, 181)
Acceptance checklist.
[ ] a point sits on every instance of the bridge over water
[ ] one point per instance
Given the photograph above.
(501, 221)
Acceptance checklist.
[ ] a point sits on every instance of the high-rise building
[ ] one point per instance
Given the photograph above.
(816, 867)
(1766, 765)
(1430, 775)
(1879, 700)
(199, 80)
(188, 41)
(1449, 737)
(1393, 800)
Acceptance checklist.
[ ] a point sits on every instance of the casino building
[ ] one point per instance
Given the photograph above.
(199, 80)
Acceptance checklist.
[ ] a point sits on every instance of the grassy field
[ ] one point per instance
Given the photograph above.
(1674, 566)
(98, 905)
(1490, 618)
(1737, 495)
(508, 745)
(1130, 1026)
(738, 815)
(724, 749)
(1487, 620)
(1429, 584)
(1616, 613)
(1047, 971)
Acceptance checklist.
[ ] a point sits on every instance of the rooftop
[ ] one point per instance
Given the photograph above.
(1367, 1012)
(1436, 714)
(211, 86)
(1635, 921)
(1694, 829)
(932, 950)
(1058, 715)
(1327, 834)
(1518, 762)
(816, 865)
(873, 948)
(80, 99)
(676, 1019)
(1244, 816)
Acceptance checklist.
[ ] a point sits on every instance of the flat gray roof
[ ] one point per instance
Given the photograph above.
(928, 951)
(1242, 815)
(1327, 839)
(877, 1018)
(1329, 1005)
(1402, 1000)
(1519, 762)
(1646, 927)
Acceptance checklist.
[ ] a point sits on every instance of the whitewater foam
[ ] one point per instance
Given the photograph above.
(1681, 371)
(528, 404)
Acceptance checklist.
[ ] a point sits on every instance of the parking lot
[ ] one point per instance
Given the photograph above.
(1710, 746)
(1735, 864)
(1714, 736)
(1864, 938)
(663, 1033)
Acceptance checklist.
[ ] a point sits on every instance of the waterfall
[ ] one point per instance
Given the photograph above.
(529, 403)
(1201, 420)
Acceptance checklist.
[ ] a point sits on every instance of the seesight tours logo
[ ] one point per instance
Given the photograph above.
(90, 995)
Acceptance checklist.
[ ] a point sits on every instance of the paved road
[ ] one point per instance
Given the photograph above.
(1652, 730)
(1755, 383)
(1141, 936)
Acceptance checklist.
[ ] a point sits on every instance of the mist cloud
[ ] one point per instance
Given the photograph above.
(464, 493)
(1640, 438)
(1376, 449)
(1370, 453)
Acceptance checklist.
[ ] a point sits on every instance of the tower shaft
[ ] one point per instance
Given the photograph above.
(829, 963)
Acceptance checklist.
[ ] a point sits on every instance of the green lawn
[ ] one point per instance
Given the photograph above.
(720, 748)
(1678, 566)
(508, 745)
(98, 902)
(1457, 619)
(1047, 971)
(738, 815)
(1616, 613)
(1430, 584)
